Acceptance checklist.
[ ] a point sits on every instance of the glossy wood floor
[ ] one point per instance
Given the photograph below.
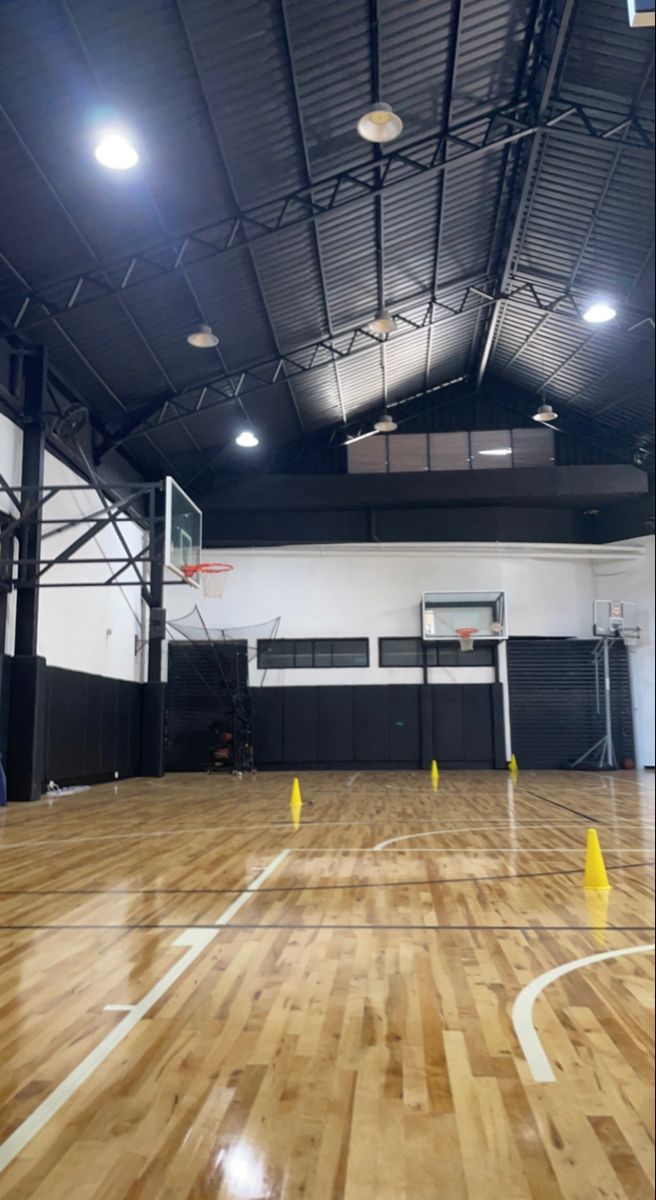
(346, 1034)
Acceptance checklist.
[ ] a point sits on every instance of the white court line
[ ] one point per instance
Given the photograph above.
(282, 827)
(118, 1008)
(351, 780)
(468, 850)
(406, 837)
(522, 1014)
(311, 825)
(33, 1124)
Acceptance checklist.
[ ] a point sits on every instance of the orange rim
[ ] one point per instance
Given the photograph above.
(208, 568)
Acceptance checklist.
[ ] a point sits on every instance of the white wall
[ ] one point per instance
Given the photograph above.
(634, 582)
(85, 629)
(375, 591)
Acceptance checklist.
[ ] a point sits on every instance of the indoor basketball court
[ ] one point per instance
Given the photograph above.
(326, 600)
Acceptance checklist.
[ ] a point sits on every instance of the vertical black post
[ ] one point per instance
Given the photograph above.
(154, 701)
(26, 758)
(5, 550)
(29, 532)
(425, 700)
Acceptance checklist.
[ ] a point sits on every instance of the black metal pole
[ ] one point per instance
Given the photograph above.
(26, 756)
(29, 534)
(154, 692)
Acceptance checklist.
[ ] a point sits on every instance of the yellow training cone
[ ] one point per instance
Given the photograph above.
(435, 775)
(595, 869)
(296, 804)
(597, 902)
(513, 767)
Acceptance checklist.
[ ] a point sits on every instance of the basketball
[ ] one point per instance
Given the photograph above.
(628, 764)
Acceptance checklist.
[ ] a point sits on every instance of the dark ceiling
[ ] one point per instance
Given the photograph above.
(257, 208)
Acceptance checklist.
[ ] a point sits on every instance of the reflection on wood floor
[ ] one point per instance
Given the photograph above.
(347, 1033)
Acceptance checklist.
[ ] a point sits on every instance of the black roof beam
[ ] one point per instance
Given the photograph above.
(556, 27)
(467, 297)
(223, 162)
(478, 136)
(308, 179)
(454, 39)
(585, 242)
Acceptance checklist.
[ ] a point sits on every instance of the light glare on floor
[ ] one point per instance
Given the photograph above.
(115, 152)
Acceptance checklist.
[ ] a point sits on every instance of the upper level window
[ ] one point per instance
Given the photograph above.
(305, 653)
(480, 450)
(409, 652)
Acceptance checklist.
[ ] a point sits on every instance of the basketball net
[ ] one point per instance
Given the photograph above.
(213, 576)
(466, 638)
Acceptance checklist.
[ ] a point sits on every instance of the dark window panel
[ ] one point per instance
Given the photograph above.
(305, 653)
(408, 652)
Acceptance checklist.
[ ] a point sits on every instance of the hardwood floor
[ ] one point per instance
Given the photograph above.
(327, 1014)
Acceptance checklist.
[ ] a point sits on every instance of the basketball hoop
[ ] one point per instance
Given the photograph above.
(466, 638)
(213, 576)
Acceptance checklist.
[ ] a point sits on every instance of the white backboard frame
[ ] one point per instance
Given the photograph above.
(169, 486)
(616, 618)
(465, 600)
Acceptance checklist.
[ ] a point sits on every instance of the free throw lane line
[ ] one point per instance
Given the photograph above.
(33, 1124)
(522, 1014)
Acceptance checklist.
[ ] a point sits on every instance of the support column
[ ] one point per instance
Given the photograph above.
(503, 679)
(154, 703)
(27, 711)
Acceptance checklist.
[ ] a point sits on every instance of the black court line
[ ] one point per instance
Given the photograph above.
(419, 928)
(557, 804)
(310, 887)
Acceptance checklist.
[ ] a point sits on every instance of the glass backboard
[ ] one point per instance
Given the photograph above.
(444, 613)
(183, 530)
(616, 618)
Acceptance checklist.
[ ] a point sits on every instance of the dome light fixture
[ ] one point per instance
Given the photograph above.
(383, 323)
(247, 439)
(545, 414)
(381, 124)
(386, 423)
(116, 152)
(599, 313)
(203, 338)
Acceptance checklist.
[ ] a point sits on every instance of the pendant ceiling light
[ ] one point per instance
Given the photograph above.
(385, 424)
(383, 323)
(247, 439)
(545, 414)
(599, 313)
(381, 124)
(203, 338)
(115, 152)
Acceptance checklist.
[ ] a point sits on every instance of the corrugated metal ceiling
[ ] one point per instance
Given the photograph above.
(239, 103)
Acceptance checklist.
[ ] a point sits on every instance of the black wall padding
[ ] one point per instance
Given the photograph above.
(202, 678)
(463, 724)
(93, 727)
(27, 728)
(377, 726)
(153, 724)
(5, 692)
(552, 701)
